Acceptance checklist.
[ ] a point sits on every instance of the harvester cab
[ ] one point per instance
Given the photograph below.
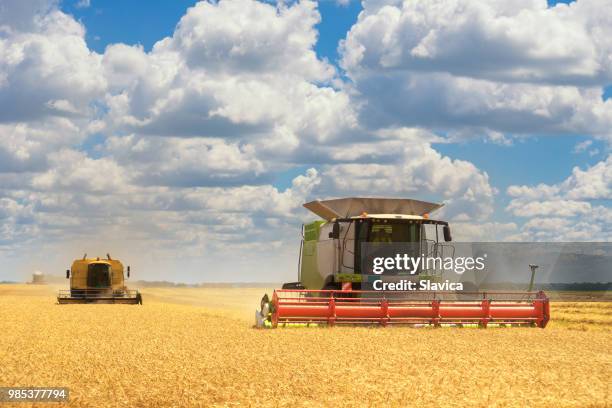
(95, 280)
(337, 252)
(337, 282)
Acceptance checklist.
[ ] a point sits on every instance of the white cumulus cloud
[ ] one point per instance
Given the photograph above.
(575, 209)
(483, 67)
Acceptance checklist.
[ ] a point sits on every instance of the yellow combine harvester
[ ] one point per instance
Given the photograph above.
(95, 280)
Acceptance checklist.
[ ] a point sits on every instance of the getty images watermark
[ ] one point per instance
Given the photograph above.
(431, 265)
(410, 264)
(403, 264)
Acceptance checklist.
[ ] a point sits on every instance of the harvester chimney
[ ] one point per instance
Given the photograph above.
(533, 268)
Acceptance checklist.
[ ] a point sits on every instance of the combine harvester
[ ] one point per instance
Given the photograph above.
(333, 289)
(95, 280)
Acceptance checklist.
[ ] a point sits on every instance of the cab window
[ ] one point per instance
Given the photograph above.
(398, 232)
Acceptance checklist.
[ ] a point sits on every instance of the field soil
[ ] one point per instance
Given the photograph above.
(192, 347)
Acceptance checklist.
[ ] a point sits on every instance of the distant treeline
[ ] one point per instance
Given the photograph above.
(166, 284)
(580, 286)
(576, 286)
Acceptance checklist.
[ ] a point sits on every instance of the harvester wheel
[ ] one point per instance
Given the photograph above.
(139, 298)
(331, 286)
(337, 286)
(294, 286)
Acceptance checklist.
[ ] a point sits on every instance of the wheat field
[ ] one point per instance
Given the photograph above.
(196, 347)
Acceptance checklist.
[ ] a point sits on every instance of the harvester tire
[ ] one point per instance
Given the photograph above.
(294, 286)
(331, 286)
(338, 287)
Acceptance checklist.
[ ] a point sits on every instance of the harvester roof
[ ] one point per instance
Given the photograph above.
(95, 261)
(355, 206)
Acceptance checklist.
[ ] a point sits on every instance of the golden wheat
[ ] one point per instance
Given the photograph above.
(196, 347)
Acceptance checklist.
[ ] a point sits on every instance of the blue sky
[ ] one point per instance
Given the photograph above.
(208, 145)
(109, 22)
(529, 160)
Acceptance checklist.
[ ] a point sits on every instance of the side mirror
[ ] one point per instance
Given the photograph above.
(447, 234)
(128, 271)
(67, 273)
(335, 232)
